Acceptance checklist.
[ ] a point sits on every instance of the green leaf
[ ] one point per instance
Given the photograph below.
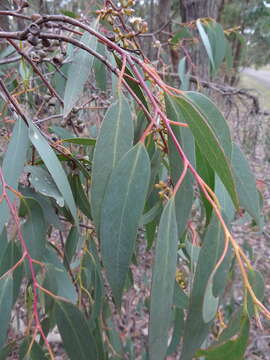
(120, 215)
(34, 229)
(206, 42)
(13, 164)
(246, 185)
(79, 195)
(218, 42)
(163, 282)
(183, 76)
(48, 209)
(184, 196)
(77, 338)
(71, 244)
(115, 339)
(224, 200)
(209, 145)
(100, 68)
(207, 173)
(214, 118)
(79, 71)
(81, 141)
(58, 276)
(210, 302)
(11, 255)
(257, 283)
(36, 352)
(151, 214)
(43, 183)
(196, 330)
(6, 302)
(233, 349)
(180, 299)
(54, 166)
(115, 139)
(177, 331)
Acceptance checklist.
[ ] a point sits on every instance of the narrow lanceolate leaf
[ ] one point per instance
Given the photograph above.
(77, 338)
(6, 301)
(34, 229)
(115, 139)
(206, 42)
(184, 196)
(43, 183)
(246, 185)
(196, 329)
(79, 71)
(163, 283)
(54, 167)
(233, 349)
(13, 164)
(209, 145)
(214, 118)
(257, 282)
(120, 215)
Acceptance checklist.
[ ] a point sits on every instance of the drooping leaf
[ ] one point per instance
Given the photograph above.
(151, 214)
(218, 42)
(11, 255)
(79, 71)
(180, 299)
(163, 282)
(100, 68)
(43, 183)
(207, 173)
(80, 197)
(183, 75)
(13, 164)
(77, 338)
(59, 277)
(71, 244)
(233, 349)
(246, 185)
(54, 167)
(115, 139)
(209, 145)
(214, 118)
(6, 302)
(177, 331)
(120, 215)
(196, 330)
(257, 283)
(225, 201)
(34, 229)
(184, 195)
(210, 302)
(115, 339)
(48, 209)
(206, 43)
